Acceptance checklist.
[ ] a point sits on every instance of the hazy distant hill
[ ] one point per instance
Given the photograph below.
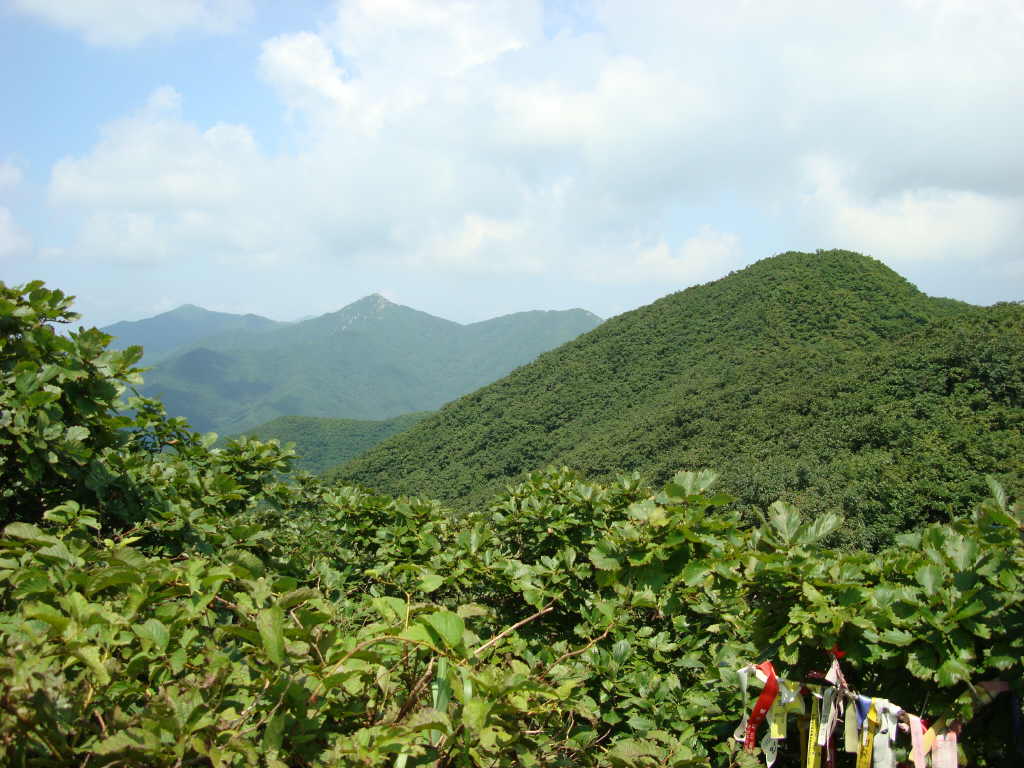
(321, 443)
(184, 326)
(370, 360)
(824, 378)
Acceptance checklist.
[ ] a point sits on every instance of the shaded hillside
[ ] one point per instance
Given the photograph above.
(370, 360)
(182, 327)
(826, 378)
(322, 443)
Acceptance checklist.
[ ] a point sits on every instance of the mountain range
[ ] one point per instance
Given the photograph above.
(162, 335)
(825, 379)
(370, 360)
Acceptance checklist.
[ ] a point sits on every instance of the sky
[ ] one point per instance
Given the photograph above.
(471, 158)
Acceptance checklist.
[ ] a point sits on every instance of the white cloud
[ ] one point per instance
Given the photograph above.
(420, 39)
(13, 242)
(707, 255)
(155, 160)
(10, 175)
(916, 224)
(303, 69)
(462, 136)
(130, 22)
(480, 244)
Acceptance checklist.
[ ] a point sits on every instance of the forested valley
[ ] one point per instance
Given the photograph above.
(808, 463)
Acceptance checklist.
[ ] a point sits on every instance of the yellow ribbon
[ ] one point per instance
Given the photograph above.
(867, 737)
(929, 736)
(813, 750)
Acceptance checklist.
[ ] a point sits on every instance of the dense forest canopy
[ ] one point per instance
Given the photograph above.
(321, 443)
(823, 379)
(167, 603)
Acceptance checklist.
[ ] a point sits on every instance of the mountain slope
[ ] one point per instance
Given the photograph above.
(826, 373)
(370, 360)
(184, 326)
(322, 443)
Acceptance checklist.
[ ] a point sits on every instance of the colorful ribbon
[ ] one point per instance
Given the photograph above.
(867, 737)
(916, 741)
(813, 750)
(764, 703)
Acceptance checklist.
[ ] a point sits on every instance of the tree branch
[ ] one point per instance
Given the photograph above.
(505, 632)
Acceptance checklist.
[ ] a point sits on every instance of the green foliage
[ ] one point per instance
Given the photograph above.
(168, 603)
(55, 402)
(321, 443)
(823, 379)
(371, 360)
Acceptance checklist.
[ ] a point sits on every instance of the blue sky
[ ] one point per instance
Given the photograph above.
(471, 158)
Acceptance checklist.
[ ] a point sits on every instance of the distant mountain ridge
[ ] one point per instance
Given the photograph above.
(187, 325)
(826, 379)
(370, 360)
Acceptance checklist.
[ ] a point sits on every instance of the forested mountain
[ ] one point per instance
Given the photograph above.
(181, 327)
(825, 379)
(165, 603)
(322, 443)
(370, 360)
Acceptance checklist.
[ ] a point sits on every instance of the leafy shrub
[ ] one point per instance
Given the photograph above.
(166, 603)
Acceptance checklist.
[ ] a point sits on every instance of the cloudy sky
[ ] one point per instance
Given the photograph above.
(476, 157)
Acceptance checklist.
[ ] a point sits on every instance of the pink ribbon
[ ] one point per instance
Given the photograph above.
(916, 741)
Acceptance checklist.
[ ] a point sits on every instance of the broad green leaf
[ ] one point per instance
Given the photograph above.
(115, 743)
(429, 719)
(270, 623)
(448, 625)
(929, 577)
(475, 713)
(785, 520)
(604, 561)
(812, 594)
(822, 525)
(897, 637)
(47, 613)
(429, 582)
(418, 633)
(951, 672)
(76, 434)
(113, 576)
(998, 493)
(273, 733)
(295, 597)
(695, 572)
(922, 662)
(621, 651)
(640, 723)
(390, 608)
(153, 632)
(973, 609)
(28, 532)
(695, 482)
(90, 654)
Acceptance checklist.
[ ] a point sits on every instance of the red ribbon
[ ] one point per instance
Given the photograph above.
(763, 704)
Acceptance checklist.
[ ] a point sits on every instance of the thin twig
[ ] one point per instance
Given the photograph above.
(588, 646)
(505, 632)
(411, 700)
(103, 725)
(248, 710)
(362, 647)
